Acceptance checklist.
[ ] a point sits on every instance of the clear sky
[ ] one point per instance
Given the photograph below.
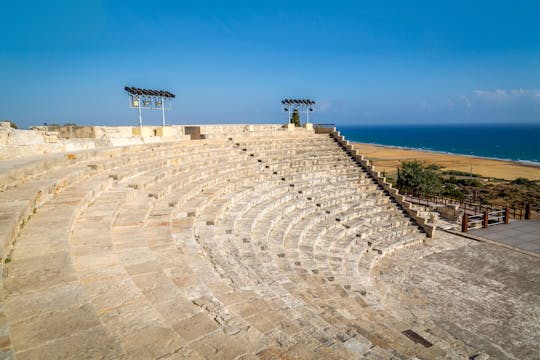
(364, 62)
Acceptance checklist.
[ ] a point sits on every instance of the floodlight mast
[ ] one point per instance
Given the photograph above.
(309, 109)
(140, 112)
(288, 109)
(135, 103)
(298, 104)
(151, 99)
(162, 111)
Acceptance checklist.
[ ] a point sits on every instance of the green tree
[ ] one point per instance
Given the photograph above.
(295, 118)
(410, 176)
(432, 183)
(415, 178)
(452, 191)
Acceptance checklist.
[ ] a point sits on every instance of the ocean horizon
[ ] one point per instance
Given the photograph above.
(512, 142)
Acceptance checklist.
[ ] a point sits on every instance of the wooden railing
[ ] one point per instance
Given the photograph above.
(488, 218)
(476, 215)
(468, 206)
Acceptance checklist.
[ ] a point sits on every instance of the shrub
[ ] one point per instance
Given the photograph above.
(433, 167)
(417, 179)
(459, 173)
(454, 192)
(469, 182)
(522, 181)
(463, 181)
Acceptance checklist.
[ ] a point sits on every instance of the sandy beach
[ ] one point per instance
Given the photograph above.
(388, 159)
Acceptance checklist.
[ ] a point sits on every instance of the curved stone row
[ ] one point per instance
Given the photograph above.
(247, 247)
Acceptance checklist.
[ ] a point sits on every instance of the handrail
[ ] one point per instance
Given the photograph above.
(523, 212)
(474, 213)
(488, 218)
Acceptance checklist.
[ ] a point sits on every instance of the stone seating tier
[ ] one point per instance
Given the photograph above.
(201, 249)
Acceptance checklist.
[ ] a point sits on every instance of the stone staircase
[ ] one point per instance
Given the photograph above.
(242, 247)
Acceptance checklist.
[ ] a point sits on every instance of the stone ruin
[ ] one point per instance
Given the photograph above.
(238, 242)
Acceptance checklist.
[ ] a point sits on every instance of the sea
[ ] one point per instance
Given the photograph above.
(501, 141)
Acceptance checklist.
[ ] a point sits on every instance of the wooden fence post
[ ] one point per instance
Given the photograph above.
(506, 215)
(527, 211)
(486, 219)
(465, 223)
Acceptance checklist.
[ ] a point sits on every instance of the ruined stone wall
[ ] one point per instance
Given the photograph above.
(41, 140)
(124, 132)
(217, 131)
(15, 143)
(70, 132)
(99, 132)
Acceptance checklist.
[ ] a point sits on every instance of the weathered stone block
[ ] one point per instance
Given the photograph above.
(144, 131)
(165, 131)
(308, 126)
(25, 138)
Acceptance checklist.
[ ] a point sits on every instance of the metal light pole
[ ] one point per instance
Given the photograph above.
(140, 112)
(298, 104)
(163, 111)
(151, 99)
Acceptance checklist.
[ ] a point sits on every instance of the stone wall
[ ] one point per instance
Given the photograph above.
(123, 132)
(71, 132)
(53, 139)
(394, 193)
(217, 131)
(40, 140)
(15, 143)
(115, 132)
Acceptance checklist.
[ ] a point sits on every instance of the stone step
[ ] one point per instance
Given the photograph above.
(41, 269)
(201, 249)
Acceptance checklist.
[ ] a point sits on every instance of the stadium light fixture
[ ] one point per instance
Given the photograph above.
(297, 104)
(149, 99)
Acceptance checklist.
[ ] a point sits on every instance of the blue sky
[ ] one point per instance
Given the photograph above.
(364, 62)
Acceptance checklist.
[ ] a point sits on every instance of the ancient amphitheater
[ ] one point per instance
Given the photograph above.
(246, 242)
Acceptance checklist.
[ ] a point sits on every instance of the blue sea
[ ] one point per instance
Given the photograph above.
(508, 142)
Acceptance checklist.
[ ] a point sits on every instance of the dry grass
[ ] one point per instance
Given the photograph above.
(388, 159)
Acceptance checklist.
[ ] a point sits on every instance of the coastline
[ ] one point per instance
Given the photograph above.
(387, 158)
